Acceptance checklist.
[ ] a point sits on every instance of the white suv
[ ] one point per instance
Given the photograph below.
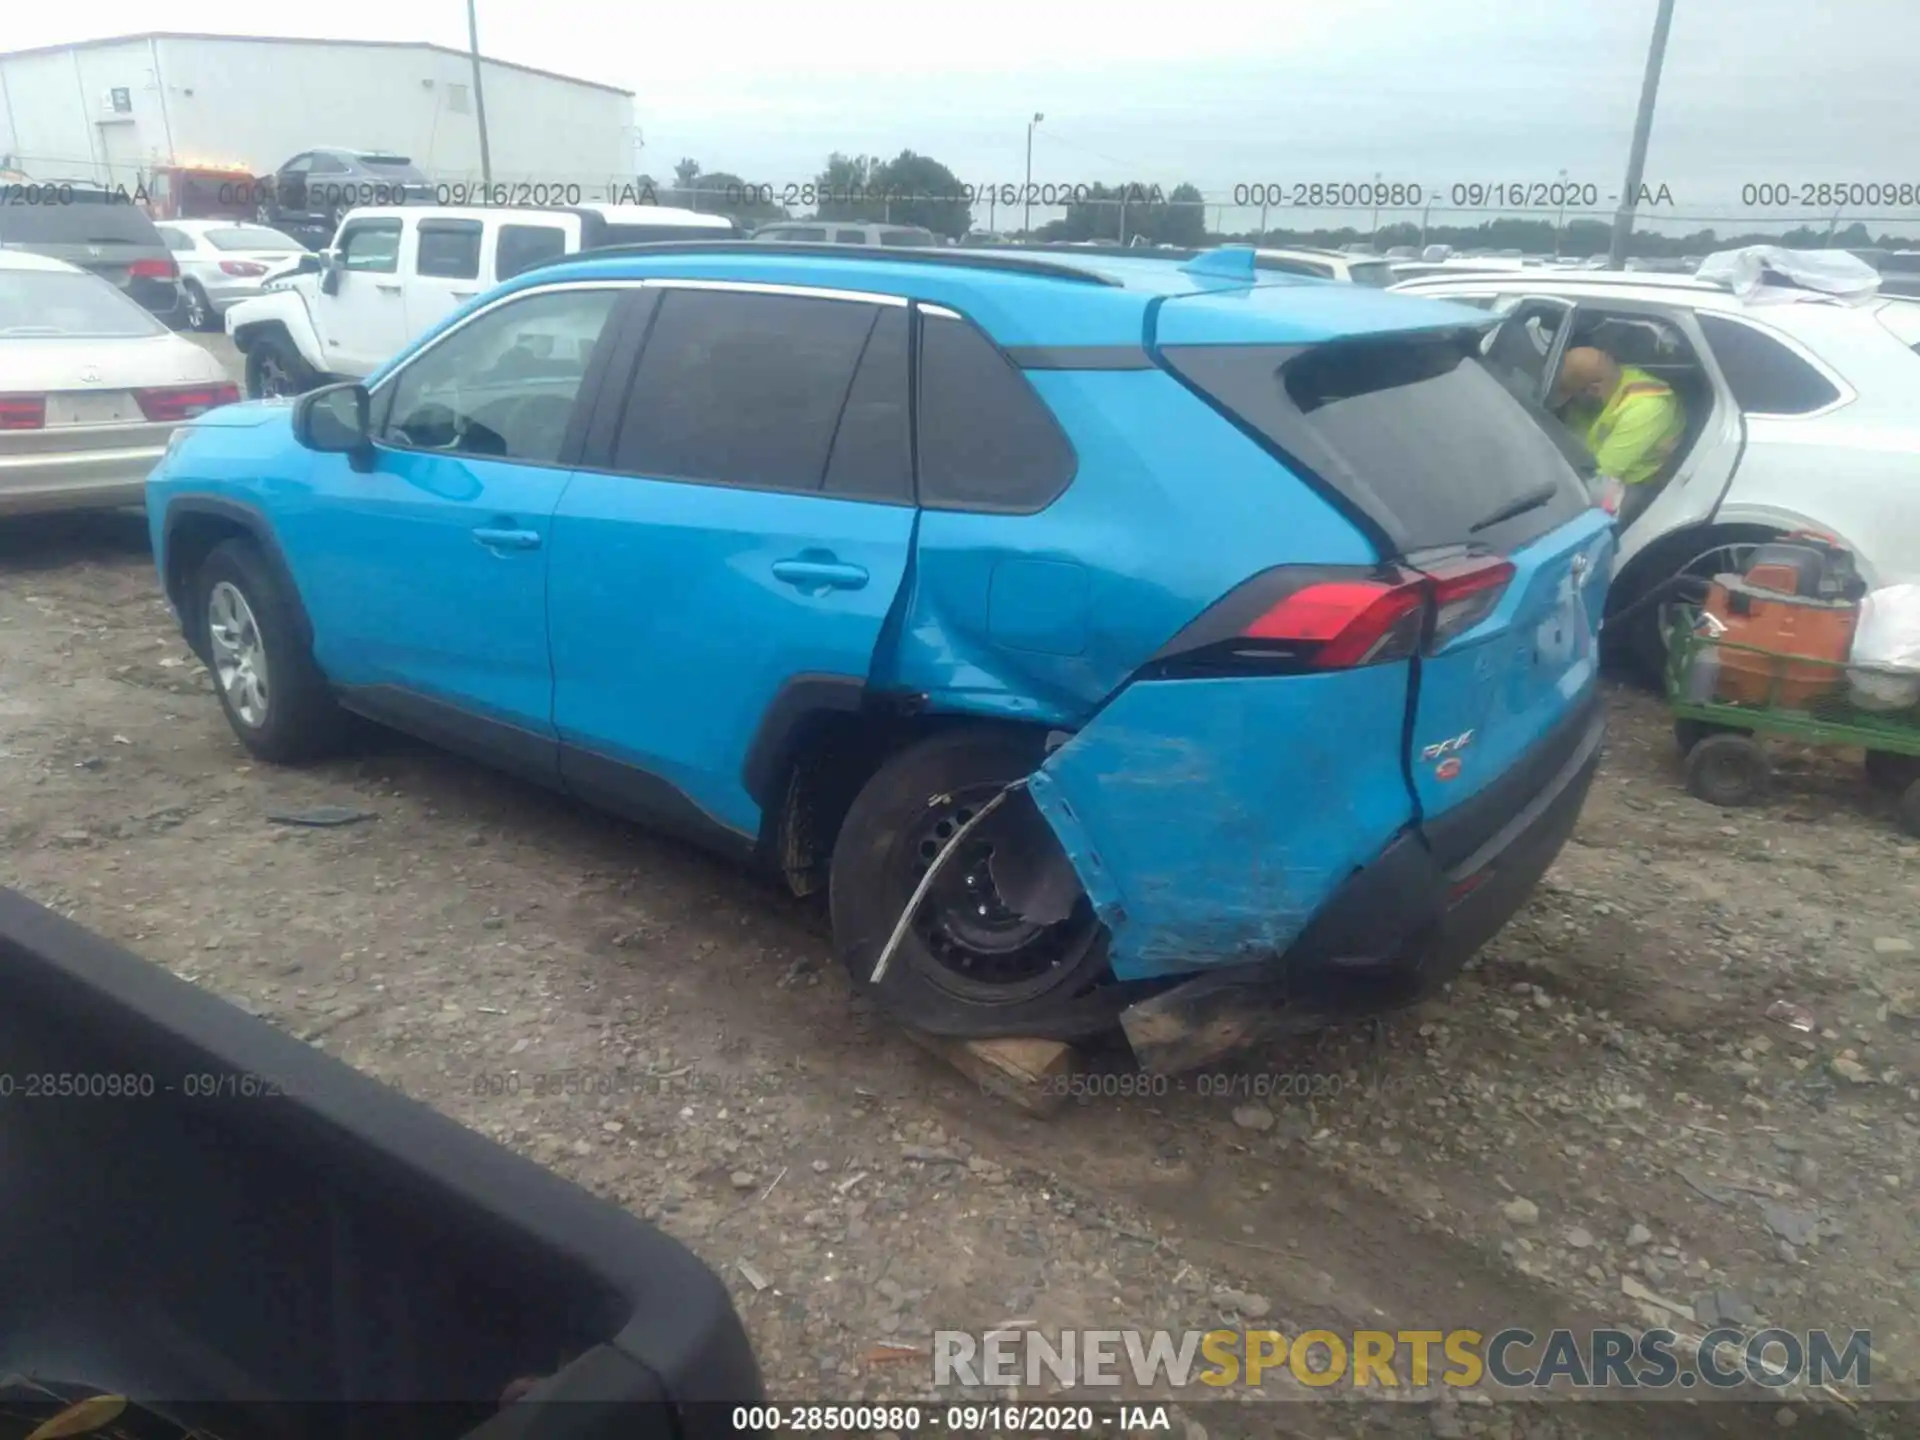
(1802, 412)
(396, 271)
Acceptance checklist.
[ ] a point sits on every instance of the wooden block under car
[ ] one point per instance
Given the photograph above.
(1026, 1071)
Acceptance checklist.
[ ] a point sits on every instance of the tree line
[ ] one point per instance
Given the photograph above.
(914, 189)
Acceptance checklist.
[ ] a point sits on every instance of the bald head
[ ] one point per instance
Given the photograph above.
(1587, 374)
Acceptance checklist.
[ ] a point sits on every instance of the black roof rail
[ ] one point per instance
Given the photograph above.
(913, 254)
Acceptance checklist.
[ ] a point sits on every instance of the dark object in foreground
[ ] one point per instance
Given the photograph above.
(240, 1233)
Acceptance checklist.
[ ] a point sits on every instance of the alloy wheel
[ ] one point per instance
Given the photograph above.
(239, 654)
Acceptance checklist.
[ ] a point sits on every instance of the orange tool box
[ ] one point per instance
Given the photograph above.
(1796, 625)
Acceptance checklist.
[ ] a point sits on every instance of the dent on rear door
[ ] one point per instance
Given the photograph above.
(1210, 819)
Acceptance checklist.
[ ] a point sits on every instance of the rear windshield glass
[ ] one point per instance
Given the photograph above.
(251, 237)
(1411, 430)
(386, 162)
(86, 220)
(51, 305)
(1379, 275)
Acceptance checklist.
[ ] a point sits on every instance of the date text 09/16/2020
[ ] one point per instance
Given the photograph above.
(1283, 1087)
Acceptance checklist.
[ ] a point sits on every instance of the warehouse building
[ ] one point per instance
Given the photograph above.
(110, 110)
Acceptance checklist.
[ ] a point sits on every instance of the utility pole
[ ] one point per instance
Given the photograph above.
(1374, 238)
(1642, 128)
(479, 98)
(1560, 224)
(1026, 222)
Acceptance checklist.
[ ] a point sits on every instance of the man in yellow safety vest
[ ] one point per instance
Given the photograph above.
(1630, 421)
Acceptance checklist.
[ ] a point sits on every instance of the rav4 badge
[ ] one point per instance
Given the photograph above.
(1448, 747)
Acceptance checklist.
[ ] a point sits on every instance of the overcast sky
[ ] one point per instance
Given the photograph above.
(1233, 92)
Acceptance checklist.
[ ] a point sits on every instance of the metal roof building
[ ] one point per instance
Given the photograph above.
(109, 109)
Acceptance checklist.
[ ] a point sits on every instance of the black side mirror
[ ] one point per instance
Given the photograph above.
(335, 420)
(330, 268)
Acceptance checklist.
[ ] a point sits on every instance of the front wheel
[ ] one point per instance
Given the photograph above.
(275, 697)
(977, 958)
(275, 369)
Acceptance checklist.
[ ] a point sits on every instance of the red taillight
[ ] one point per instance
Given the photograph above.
(23, 412)
(153, 270)
(1465, 592)
(183, 402)
(1347, 622)
(242, 267)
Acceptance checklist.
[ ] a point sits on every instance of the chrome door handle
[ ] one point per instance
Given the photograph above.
(828, 574)
(463, 294)
(507, 539)
(390, 289)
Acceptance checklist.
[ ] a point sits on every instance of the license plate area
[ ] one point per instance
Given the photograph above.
(105, 407)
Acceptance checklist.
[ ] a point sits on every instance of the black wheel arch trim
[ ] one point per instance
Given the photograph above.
(183, 508)
(798, 700)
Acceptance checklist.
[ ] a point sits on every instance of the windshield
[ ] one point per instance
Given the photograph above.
(86, 220)
(57, 305)
(251, 237)
(1379, 276)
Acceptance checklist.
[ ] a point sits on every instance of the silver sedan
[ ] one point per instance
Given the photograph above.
(92, 388)
(223, 262)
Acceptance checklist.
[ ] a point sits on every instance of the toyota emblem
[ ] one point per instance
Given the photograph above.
(90, 375)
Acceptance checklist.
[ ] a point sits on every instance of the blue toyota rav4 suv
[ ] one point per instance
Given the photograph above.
(1115, 639)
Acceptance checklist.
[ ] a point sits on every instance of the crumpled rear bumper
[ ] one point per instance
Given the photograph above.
(1392, 932)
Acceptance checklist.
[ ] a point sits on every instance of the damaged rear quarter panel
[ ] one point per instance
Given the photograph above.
(1209, 819)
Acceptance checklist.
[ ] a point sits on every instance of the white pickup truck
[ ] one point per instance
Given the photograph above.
(393, 272)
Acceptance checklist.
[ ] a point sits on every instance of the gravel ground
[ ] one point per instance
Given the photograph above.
(1600, 1104)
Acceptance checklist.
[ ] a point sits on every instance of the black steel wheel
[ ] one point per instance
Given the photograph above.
(975, 959)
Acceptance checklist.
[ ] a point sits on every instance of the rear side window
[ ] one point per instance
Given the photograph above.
(1766, 377)
(742, 389)
(804, 233)
(849, 237)
(872, 455)
(449, 249)
(1378, 275)
(175, 240)
(1411, 430)
(906, 237)
(987, 441)
(522, 245)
